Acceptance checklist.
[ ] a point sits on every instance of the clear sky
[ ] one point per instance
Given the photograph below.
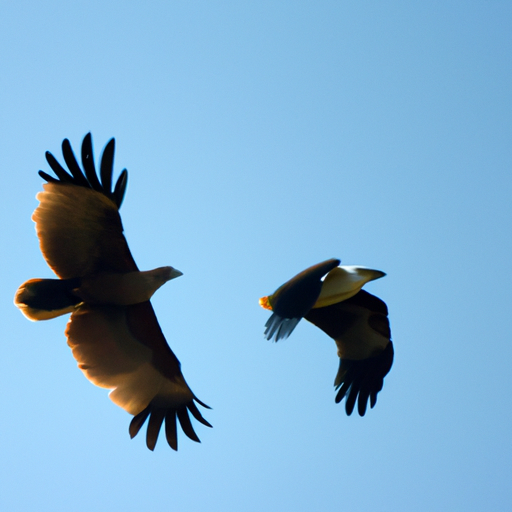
(261, 138)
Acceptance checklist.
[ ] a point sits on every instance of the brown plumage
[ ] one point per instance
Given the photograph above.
(331, 297)
(360, 327)
(113, 330)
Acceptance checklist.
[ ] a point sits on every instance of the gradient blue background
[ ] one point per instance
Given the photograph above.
(261, 138)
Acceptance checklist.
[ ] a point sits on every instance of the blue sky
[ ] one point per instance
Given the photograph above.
(261, 138)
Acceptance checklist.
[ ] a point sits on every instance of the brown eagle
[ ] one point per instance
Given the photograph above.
(331, 297)
(113, 330)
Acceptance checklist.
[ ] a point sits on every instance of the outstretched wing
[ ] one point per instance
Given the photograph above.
(77, 220)
(121, 348)
(360, 327)
(124, 349)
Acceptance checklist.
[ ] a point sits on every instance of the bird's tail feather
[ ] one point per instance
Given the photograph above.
(42, 299)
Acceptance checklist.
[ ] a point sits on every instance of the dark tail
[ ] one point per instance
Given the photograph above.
(42, 299)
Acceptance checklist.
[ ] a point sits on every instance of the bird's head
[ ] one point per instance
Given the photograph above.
(164, 274)
(154, 279)
(344, 282)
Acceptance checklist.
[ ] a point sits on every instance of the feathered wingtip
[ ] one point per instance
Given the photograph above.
(88, 177)
(156, 418)
(279, 328)
(362, 380)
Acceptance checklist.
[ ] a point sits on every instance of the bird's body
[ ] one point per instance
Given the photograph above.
(356, 320)
(113, 331)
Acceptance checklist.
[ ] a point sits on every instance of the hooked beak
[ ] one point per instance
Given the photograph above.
(174, 273)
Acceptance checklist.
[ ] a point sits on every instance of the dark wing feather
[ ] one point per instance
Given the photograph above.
(156, 417)
(363, 379)
(195, 411)
(88, 164)
(80, 209)
(107, 166)
(297, 296)
(360, 327)
(69, 158)
(61, 173)
(120, 189)
(88, 178)
(171, 432)
(138, 421)
(292, 300)
(155, 422)
(186, 425)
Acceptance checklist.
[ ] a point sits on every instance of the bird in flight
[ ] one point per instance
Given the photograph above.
(113, 331)
(331, 297)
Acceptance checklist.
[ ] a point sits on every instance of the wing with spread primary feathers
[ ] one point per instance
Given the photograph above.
(123, 349)
(118, 347)
(77, 220)
(360, 328)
